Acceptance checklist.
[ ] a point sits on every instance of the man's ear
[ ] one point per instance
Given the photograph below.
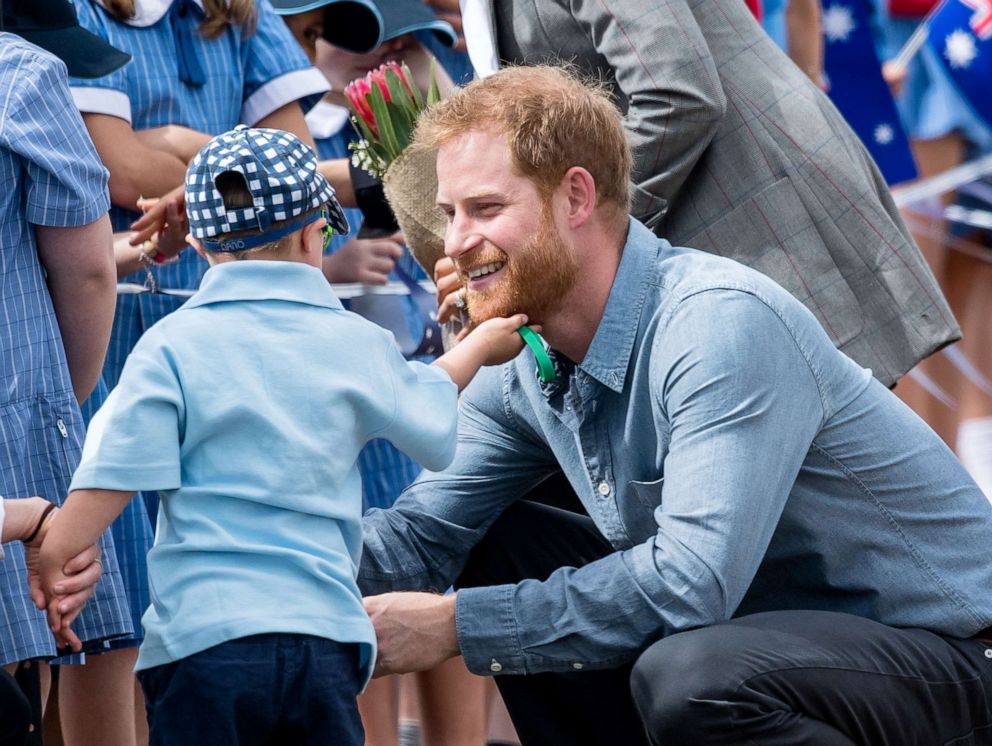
(580, 190)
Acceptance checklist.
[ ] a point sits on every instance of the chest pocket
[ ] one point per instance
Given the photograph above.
(648, 494)
(637, 509)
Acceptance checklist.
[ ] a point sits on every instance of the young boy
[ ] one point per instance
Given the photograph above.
(247, 408)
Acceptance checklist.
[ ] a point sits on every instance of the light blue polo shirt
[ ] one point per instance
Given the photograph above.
(248, 408)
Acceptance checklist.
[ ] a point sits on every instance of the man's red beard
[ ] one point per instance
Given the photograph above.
(535, 279)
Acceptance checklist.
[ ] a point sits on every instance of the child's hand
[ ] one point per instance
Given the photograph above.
(498, 338)
(62, 592)
(365, 260)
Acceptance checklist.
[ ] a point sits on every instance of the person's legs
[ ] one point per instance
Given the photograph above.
(96, 700)
(533, 540)
(801, 677)
(379, 707)
(452, 705)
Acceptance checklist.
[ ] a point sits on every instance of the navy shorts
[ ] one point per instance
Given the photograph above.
(265, 689)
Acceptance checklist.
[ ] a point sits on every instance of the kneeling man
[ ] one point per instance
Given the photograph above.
(772, 548)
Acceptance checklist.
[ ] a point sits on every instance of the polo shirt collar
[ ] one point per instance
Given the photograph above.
(254, 280)
(608, 357)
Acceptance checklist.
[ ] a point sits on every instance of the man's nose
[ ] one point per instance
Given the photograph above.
(460, 238)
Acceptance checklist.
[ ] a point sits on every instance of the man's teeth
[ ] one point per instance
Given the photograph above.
(486, 269)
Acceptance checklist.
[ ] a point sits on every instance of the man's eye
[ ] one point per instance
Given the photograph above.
(488, 207)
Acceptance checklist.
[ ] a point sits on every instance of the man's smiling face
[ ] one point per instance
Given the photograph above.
(501, 232)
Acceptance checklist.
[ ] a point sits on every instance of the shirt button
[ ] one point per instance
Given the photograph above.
(577, 666)
(603, 488)
(495, 666)
(988, 652)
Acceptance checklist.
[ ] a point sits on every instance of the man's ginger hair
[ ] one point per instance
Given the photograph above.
(552, 119)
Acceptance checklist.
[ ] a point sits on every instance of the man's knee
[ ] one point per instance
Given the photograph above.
(681, 684)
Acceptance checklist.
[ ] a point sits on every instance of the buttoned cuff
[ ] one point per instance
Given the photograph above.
(487, 630)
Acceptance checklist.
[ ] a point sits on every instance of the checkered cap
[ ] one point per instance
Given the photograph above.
(280, 171)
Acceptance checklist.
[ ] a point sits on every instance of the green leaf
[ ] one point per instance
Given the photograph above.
(418, 100)
(433, 92)
(363, 128)
(397, 91)
(387, 135)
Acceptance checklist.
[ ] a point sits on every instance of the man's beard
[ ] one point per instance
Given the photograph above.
(537, 278)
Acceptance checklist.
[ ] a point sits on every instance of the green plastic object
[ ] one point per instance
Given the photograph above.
(545, 369)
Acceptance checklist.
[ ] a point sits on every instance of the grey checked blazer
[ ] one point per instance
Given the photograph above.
(737, 153)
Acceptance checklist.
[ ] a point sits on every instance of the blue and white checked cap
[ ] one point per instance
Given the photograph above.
(282, 176)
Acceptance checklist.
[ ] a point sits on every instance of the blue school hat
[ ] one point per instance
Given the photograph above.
(362, 25)
(53, 26)
(280, 172)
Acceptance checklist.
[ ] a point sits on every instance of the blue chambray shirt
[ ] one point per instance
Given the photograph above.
(248, 407)
(733, 457)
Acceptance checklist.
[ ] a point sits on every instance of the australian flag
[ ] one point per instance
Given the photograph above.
(960, 32)
(857, 88)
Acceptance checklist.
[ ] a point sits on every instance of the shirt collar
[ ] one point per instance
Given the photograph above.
(251, 280)
(609, 353)
(149, 12)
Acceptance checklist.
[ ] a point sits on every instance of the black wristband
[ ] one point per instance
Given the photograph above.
(371, 199)
(44, 514)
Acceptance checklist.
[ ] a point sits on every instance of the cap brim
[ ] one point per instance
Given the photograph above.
(362, 25)
(337, 219)
(85, 55)
(353, 25)
(401, 17)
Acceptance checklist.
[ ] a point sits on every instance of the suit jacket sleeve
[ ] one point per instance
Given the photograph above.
(663, 67)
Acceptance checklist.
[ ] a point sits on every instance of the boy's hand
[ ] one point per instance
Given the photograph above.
(499, 338)
(62, 592)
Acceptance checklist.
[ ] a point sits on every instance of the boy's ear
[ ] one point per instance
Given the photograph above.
(313, 236)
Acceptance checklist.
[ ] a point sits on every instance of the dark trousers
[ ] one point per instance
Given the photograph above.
(790, 677)
(15, 712)
(263, 690)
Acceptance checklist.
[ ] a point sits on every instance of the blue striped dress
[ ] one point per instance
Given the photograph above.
(246, 79)
(51, 176)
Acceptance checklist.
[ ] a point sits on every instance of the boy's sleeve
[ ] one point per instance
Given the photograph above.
(133, 441)
(277, 71)
(424, 422)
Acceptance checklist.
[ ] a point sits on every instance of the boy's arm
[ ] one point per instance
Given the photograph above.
(77, 526)
(492, 342)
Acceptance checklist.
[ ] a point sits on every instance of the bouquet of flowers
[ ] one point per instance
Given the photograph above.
(385, 109)
(385, 106)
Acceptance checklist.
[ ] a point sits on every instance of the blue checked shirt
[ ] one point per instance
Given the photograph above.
(735, 460)
(52, 177)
